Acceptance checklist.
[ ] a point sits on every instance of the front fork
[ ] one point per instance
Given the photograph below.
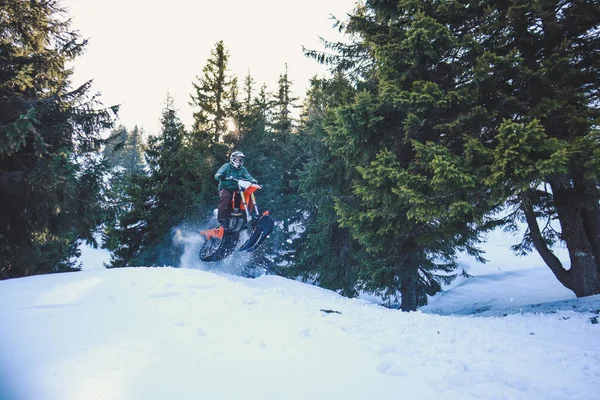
(248, 216)
(255, 206)
(243, 196)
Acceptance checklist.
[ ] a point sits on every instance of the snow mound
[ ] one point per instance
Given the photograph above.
(166, 333)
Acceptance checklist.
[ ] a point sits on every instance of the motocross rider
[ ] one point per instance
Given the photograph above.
(235, 169)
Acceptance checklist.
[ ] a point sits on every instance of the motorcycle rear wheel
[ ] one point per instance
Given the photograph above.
(215, 249)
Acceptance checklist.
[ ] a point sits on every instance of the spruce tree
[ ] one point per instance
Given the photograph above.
(163, 199)
(123, 153)
(412, 105)
(211, 96)
(236, 113)
(537, 75)
(50, 177)
(325, 253)
(284, 102)
(252, 113)
(285, 157)
(209, 143)
(515, 106)
(264, 105)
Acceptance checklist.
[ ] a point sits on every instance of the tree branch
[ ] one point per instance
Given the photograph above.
(540, 244)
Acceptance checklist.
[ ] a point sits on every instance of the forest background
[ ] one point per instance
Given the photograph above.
(440, 121)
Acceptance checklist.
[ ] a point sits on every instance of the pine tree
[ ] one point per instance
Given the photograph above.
(211, 95)
(264, 106)
(325, 253)
(412, 105)
(133, 151)
(251, 115)
(123, 153)
(166, 197)
(236, 113)
(537, 75)
(256, 141)
(284, 103)
(50, 177)
(514, 105)
(211, 140)
(285, 157)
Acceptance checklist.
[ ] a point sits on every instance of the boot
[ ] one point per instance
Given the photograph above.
(224, 223)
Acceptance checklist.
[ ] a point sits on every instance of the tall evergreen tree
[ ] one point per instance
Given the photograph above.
(412, 105)
(325, 253)
(211, 95)
(256, 141)
(285, 157)
(267, 138)
(284, 102)
(161, 200)
(123, 153)
(252, 115)
(538, 77)
(50, 177)
(236, 113)
(518, 92)
(209, 145)
(264, 105)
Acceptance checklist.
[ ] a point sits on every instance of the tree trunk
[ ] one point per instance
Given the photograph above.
(576, 203)
(408, 289)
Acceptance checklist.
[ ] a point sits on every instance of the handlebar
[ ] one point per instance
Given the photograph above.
(231, 178)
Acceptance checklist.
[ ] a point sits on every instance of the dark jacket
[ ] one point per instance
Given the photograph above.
(228, 170)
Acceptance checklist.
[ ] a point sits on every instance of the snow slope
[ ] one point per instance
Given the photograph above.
(499, 292)
(166, 333)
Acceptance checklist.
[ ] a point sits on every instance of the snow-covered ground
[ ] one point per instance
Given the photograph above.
(508, 332)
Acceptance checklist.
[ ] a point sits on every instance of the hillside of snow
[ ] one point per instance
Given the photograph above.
(167, 333)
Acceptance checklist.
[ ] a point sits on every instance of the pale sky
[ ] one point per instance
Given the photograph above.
(141, 50)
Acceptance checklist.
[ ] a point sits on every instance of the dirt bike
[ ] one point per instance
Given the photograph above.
(221, 241)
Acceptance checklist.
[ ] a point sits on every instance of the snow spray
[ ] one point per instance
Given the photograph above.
(237, 263)
(191, 240)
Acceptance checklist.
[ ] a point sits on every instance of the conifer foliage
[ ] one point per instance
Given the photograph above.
(442, 120)
(325, 253)
(160, 199)
(408, 101)
(538, 78)
(125, 149)
(470, 106)
(213, 94)
(49, 133)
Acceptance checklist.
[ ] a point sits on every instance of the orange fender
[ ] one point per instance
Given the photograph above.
(213, 233)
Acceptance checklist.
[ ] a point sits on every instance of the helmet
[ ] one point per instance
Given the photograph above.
(237, 159)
